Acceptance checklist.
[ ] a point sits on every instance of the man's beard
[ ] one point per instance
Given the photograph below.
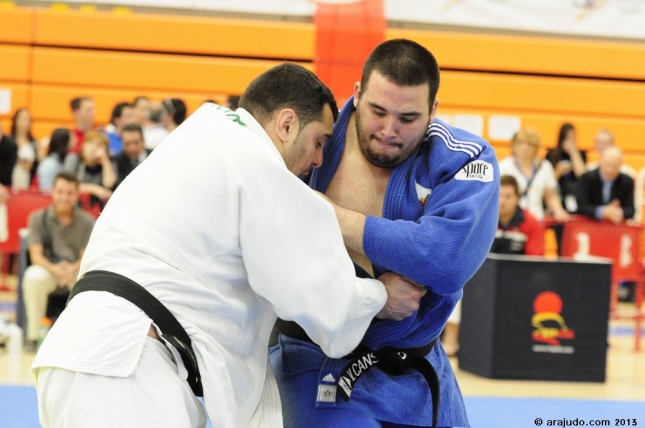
(382, 160)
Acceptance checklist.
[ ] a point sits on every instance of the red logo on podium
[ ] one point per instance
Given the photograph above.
(549, 325)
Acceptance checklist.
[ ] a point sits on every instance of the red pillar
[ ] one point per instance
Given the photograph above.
(346, 33)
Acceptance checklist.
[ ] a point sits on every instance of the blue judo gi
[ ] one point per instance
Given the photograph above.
(447, 196)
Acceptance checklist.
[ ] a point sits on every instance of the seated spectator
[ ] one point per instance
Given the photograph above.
(134, 152)
(141, 106)
(52, 165)
(535, 177)
(518, 232)
(604, 139)
(122, 115)
(8, 157)
(25, 168)
(569, 163)
(175, 113)
(605, 192)
(84, 113)
(156, 132)
(4, 194)
(57, 239)
(93, 167)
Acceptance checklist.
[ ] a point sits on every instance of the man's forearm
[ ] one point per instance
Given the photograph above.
(352, 225)
(41, 260)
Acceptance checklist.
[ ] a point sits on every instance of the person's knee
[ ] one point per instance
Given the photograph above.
(37, 277)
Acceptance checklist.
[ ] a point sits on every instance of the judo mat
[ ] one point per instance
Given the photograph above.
(18, 409)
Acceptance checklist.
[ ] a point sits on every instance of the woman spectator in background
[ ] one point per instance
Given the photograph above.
(93, 167)
(8, 157)
(25, 168)
(569, 163)
(175, 113)
(59, 144)
(535, 177)
(142, 111)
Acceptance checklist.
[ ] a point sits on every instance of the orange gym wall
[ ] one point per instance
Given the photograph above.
(49, 56)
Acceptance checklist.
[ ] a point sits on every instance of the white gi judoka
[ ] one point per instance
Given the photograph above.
(216, 228)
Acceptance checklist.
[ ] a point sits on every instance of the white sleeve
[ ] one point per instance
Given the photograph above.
(295, 258)
(550, 181)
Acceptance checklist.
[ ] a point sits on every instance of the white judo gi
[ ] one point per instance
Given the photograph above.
(215, 226)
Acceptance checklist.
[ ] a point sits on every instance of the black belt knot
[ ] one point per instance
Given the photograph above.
(394, 362)
(171, 329)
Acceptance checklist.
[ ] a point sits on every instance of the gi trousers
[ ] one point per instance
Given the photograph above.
(153, 396)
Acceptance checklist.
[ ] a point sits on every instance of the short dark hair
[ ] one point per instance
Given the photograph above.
(133, 127)
(59, 142)
(156, 113)
(75, 103)
(175, 108)
(67, 176)
(117, 111)
(404, 63)
(288, 85)
(509, 180)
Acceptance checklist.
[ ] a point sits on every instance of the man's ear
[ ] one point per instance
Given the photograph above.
(433, 110)
(357, 93)
(286, 124)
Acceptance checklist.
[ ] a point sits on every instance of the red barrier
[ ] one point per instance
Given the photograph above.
(19, 206)
(619, 242)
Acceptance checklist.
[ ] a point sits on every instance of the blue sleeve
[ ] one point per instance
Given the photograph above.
(47, 172)
(599, 212)
(444, 248)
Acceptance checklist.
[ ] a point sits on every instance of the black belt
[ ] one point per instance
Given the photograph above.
(172, 331)
(392, 361)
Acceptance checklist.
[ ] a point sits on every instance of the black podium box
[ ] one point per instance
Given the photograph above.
(536, 319)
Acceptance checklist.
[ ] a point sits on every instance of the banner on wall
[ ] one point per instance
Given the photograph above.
(595, 18)
(5, 101)
(338, 63)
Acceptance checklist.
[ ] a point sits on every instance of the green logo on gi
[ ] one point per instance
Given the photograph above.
(230, 114)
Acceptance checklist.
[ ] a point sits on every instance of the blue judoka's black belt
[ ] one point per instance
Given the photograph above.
(172, 331)
(390, 360)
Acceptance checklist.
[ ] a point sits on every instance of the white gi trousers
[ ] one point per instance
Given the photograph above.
(153, 396)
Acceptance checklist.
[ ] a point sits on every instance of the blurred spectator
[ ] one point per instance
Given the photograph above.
(93, 167)
(4, 194)
(84, 115)
(122, 115)
(141, 106)
(59, 144)
(134, 152)
(58, 236)
(175, 110)
(569, 163)
(25, 168)
(232, 102)
(518, 232)
(604, 139)
(8, 157)
(156, 131)
(605, 192)
(535, 177)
